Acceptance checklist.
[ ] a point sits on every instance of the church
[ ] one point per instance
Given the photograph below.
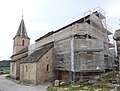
(80, 48)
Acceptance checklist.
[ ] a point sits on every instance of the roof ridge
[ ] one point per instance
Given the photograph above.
(39, 53)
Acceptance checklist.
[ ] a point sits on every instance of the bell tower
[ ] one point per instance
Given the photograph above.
(21, 39)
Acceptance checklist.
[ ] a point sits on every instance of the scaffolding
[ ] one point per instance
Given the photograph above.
(83, 48)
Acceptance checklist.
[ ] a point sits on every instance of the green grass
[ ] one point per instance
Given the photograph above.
(83, 86)
(4, 70)
(102, 85)
(111, 74)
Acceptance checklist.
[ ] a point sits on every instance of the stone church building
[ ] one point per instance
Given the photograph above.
(34, 68)
(79, 47)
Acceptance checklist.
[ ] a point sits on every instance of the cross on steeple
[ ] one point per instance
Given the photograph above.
(22, 14)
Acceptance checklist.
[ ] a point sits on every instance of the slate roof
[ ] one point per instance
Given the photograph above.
(21, 51)
(35, 56)
(20, 59)
(22, 30)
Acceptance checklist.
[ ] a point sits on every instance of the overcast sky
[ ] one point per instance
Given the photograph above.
(42, 16)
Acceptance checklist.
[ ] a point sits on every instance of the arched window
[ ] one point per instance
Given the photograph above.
(23, 42)
(47, 68)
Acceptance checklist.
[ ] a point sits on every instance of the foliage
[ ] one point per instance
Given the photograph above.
(5, 63)
(83, 86)
(52, 88)
(109, 75)
(102, 84)
(4, 70)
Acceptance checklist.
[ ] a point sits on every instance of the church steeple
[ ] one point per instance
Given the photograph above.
(22, 30)
(21, 39)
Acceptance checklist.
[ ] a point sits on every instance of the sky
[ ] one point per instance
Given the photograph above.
(42, 16)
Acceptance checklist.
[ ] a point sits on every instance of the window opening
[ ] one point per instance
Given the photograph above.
(23, 42)
(47, 68)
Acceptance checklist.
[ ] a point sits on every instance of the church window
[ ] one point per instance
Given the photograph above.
(47, 68)
(26, 68)
(23, 42)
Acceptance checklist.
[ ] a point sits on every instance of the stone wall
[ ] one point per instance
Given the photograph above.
(15, 65)
(45, 68)
(64, 76)
(38, 72)
(18, 44)
(28, 73)
(44, 41)
(14, 70)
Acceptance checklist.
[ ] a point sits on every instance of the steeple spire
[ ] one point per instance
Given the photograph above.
(21, 39)
(22, 30)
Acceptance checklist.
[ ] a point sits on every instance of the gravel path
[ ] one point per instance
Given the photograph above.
(7, 85)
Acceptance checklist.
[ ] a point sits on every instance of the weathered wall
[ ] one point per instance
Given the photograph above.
(88, 61)
(65, 76)
(40, 43)
(117, 39)
(45, 41)
(28, 73)
(44, 73)
(18, 41)
(14, 70)
(67, 32)
(18, 44)
(15, 65)
(99, 41)
(62, 46)
(88, 43)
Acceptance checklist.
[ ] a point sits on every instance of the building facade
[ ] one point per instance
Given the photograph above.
(79, 48)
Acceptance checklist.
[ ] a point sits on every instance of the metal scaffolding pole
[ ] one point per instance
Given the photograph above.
(72, 58)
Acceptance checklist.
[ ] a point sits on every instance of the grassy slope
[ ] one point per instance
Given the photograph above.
(4, 70)
(102, 84)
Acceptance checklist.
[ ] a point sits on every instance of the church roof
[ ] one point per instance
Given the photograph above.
(81, 20)
(20, 59)
(22, 30)
(35, 56)
(21, 51)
